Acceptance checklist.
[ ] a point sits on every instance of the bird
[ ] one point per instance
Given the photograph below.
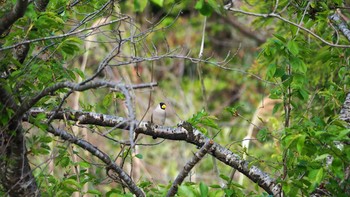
(159, 114)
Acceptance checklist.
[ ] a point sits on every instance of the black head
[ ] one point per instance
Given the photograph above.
(162, 105)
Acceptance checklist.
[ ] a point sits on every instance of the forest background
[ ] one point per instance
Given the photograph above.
(256, 93)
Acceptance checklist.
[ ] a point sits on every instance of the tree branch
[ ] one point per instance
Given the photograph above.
(15, 172)
(274, 15)
(62, 35)
(40, 5)
(244, 30)
(183, 131)
(29, 103)
(11, 17)
(343, 27)
(188, 167)
(345, 110)
(99, 154)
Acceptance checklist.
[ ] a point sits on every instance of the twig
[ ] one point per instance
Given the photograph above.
(26, 105)
(62, 35)
(302, 17)
(274, 15)
(188, 167)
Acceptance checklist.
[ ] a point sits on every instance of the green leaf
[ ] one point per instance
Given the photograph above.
(316, 175)
(229, 192)
(209, 121)
(343, 133)
(140, 156)
(72, 185)
(287, 80)
(232, 110)
(185, 190)
(343, 71)
(107, 100)
(216, 6)
(321, 157)
(203, 118)
(298, 65)
(293, 47)
(281, 38)
(262, 135)
(203, 7)
(275, 93)
(237, 185)
(145, 184)
(119, 95)
(79, 72)
(199, 5)
(300, 143)
(276, 107)
(94, 191)
(69, 46)
(140, 5)
(203, 189)
(84, 164)
(215, 186)
(279, 72)
(158, 2)
(114, 193)
(45, 139)
(271, 70)
(226, 178)
(303, 94)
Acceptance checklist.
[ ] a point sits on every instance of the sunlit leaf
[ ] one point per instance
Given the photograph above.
(203, 189)
(140, 5)
(158, 2)
(293, 47)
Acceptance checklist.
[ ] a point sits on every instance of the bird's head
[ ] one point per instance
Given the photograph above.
(162, 105)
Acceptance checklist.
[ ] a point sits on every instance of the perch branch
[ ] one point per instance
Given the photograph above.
(182, 132)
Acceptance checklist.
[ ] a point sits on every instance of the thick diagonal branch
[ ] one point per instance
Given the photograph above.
(188, 167)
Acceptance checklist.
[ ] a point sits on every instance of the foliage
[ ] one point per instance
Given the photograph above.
(301, 141)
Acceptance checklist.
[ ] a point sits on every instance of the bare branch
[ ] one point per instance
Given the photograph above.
(29, 103)
(188, 167)
(335, 18)
(345, 110)
(219, 64)
(274, 15)
(63, 35)
(184, 132)
(244, 30)
(40, 5)
(110, 165)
